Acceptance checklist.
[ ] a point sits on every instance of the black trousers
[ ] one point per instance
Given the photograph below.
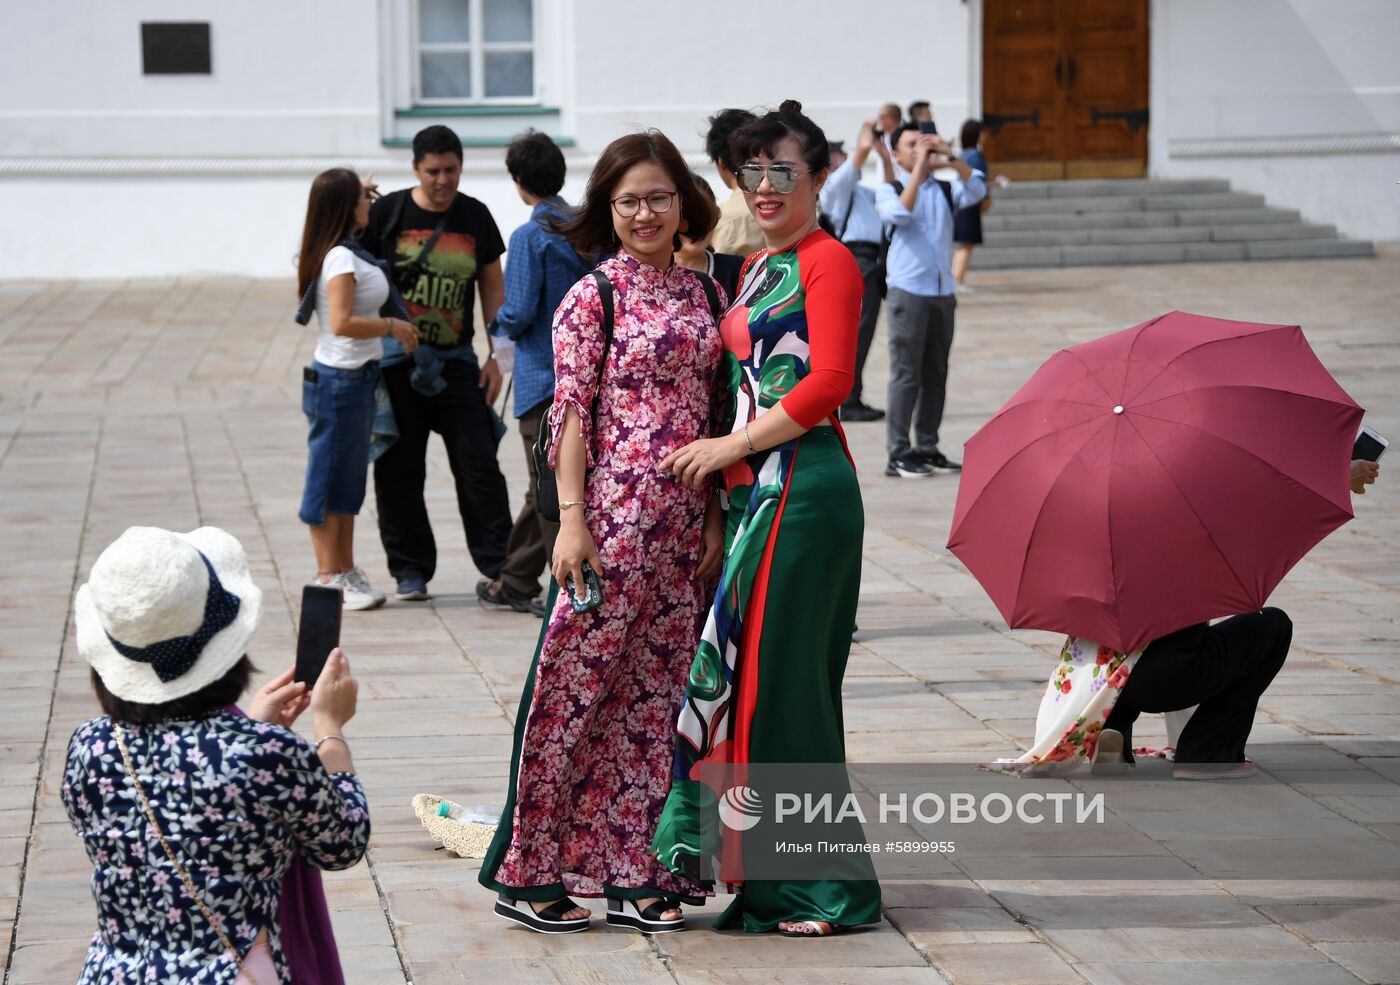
(868, 258)
(1223, 669)
(459, 413)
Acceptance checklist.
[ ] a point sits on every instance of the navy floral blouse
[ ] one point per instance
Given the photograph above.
(236, 799)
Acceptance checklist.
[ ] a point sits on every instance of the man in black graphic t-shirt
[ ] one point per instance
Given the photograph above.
(443, 247)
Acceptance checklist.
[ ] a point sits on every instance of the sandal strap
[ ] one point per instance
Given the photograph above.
(654, 911)
(556, 910)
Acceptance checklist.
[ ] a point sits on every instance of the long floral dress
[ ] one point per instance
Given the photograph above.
(595, 732)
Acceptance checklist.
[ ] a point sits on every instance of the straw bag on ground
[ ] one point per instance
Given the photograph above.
(466, 831)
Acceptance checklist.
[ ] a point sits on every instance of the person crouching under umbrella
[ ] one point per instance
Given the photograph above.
(1096, 694)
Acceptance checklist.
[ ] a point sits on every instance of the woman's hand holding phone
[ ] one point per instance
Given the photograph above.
(334, 697)
(281, 700)
(572, 548)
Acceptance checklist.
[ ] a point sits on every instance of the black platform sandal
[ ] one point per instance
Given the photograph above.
(625, 913)
(547, 921)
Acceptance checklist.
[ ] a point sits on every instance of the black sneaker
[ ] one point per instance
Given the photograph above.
(937, 461)
(496, 595)
(411, 588)
(908, 467)
(859, 413)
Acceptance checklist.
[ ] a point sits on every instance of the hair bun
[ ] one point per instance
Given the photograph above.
(790, 106)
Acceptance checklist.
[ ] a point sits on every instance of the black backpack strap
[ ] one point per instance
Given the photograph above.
(947, 190)
(887, 230)
(846, 219)
(386, 246)
(711, 295)
(605, 294)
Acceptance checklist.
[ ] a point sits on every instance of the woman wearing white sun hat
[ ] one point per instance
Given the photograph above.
(191, 812)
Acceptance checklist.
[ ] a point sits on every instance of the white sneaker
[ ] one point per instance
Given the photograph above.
(350, 596)
(359, 594)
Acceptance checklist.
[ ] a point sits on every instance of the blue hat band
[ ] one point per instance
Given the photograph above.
(174, 657)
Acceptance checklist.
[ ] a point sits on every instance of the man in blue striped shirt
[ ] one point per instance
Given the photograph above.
(540, 269)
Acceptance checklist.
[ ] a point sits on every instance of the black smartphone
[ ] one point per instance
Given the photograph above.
(318, 630)
(927, 126)
(1370, 445)
(592, 590)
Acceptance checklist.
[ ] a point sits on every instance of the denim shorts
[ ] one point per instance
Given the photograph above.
(339, 404)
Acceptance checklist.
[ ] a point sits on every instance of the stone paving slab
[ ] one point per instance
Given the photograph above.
(175, 403)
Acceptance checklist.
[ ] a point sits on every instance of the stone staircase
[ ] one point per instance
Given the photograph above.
(1146, 220)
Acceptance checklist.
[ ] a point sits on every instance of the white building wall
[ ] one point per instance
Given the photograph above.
(289, 78)
(1296, 99)
(105, 172)
(840, 58)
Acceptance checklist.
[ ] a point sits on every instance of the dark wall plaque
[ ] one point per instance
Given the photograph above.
(175, 48)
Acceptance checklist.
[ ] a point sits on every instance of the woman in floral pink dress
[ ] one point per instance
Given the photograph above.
(594, 737)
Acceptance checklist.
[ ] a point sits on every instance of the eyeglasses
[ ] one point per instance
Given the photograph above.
(657, 203)
(372, 194)
(783, 177)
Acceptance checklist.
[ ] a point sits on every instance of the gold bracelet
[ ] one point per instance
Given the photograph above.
(565, 504)
(752, 449)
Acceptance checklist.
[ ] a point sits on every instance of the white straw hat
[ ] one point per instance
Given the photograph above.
(165, 614)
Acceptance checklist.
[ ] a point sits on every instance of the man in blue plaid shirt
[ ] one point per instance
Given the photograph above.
(540, 269)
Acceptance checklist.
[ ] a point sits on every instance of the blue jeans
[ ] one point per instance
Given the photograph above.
(339, 404)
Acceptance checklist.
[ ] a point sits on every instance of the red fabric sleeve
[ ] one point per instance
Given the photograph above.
(832, 283)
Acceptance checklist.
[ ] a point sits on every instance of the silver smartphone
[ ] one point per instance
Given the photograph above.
(1370, 445)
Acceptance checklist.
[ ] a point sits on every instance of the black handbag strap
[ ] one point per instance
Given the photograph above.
(711, 295)
(605, 295)
(410, 274)
(846, 219)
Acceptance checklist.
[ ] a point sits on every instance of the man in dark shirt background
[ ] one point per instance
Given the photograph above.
(443, 247)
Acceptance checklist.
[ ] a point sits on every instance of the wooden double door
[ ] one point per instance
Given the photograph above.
(1065, 88)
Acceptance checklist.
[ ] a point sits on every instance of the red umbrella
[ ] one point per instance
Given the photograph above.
(1157, 477)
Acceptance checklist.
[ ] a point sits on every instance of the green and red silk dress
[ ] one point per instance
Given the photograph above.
(765, 685)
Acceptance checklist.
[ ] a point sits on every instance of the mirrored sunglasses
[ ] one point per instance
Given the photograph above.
(782, 177)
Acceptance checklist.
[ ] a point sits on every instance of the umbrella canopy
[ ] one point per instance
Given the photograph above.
(1154, 478)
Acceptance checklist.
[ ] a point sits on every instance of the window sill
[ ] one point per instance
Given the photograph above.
(481, 109)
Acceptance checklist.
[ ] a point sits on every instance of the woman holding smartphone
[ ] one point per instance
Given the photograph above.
(347, 288)
(591, 765)
(204, 827)
(765, 686)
